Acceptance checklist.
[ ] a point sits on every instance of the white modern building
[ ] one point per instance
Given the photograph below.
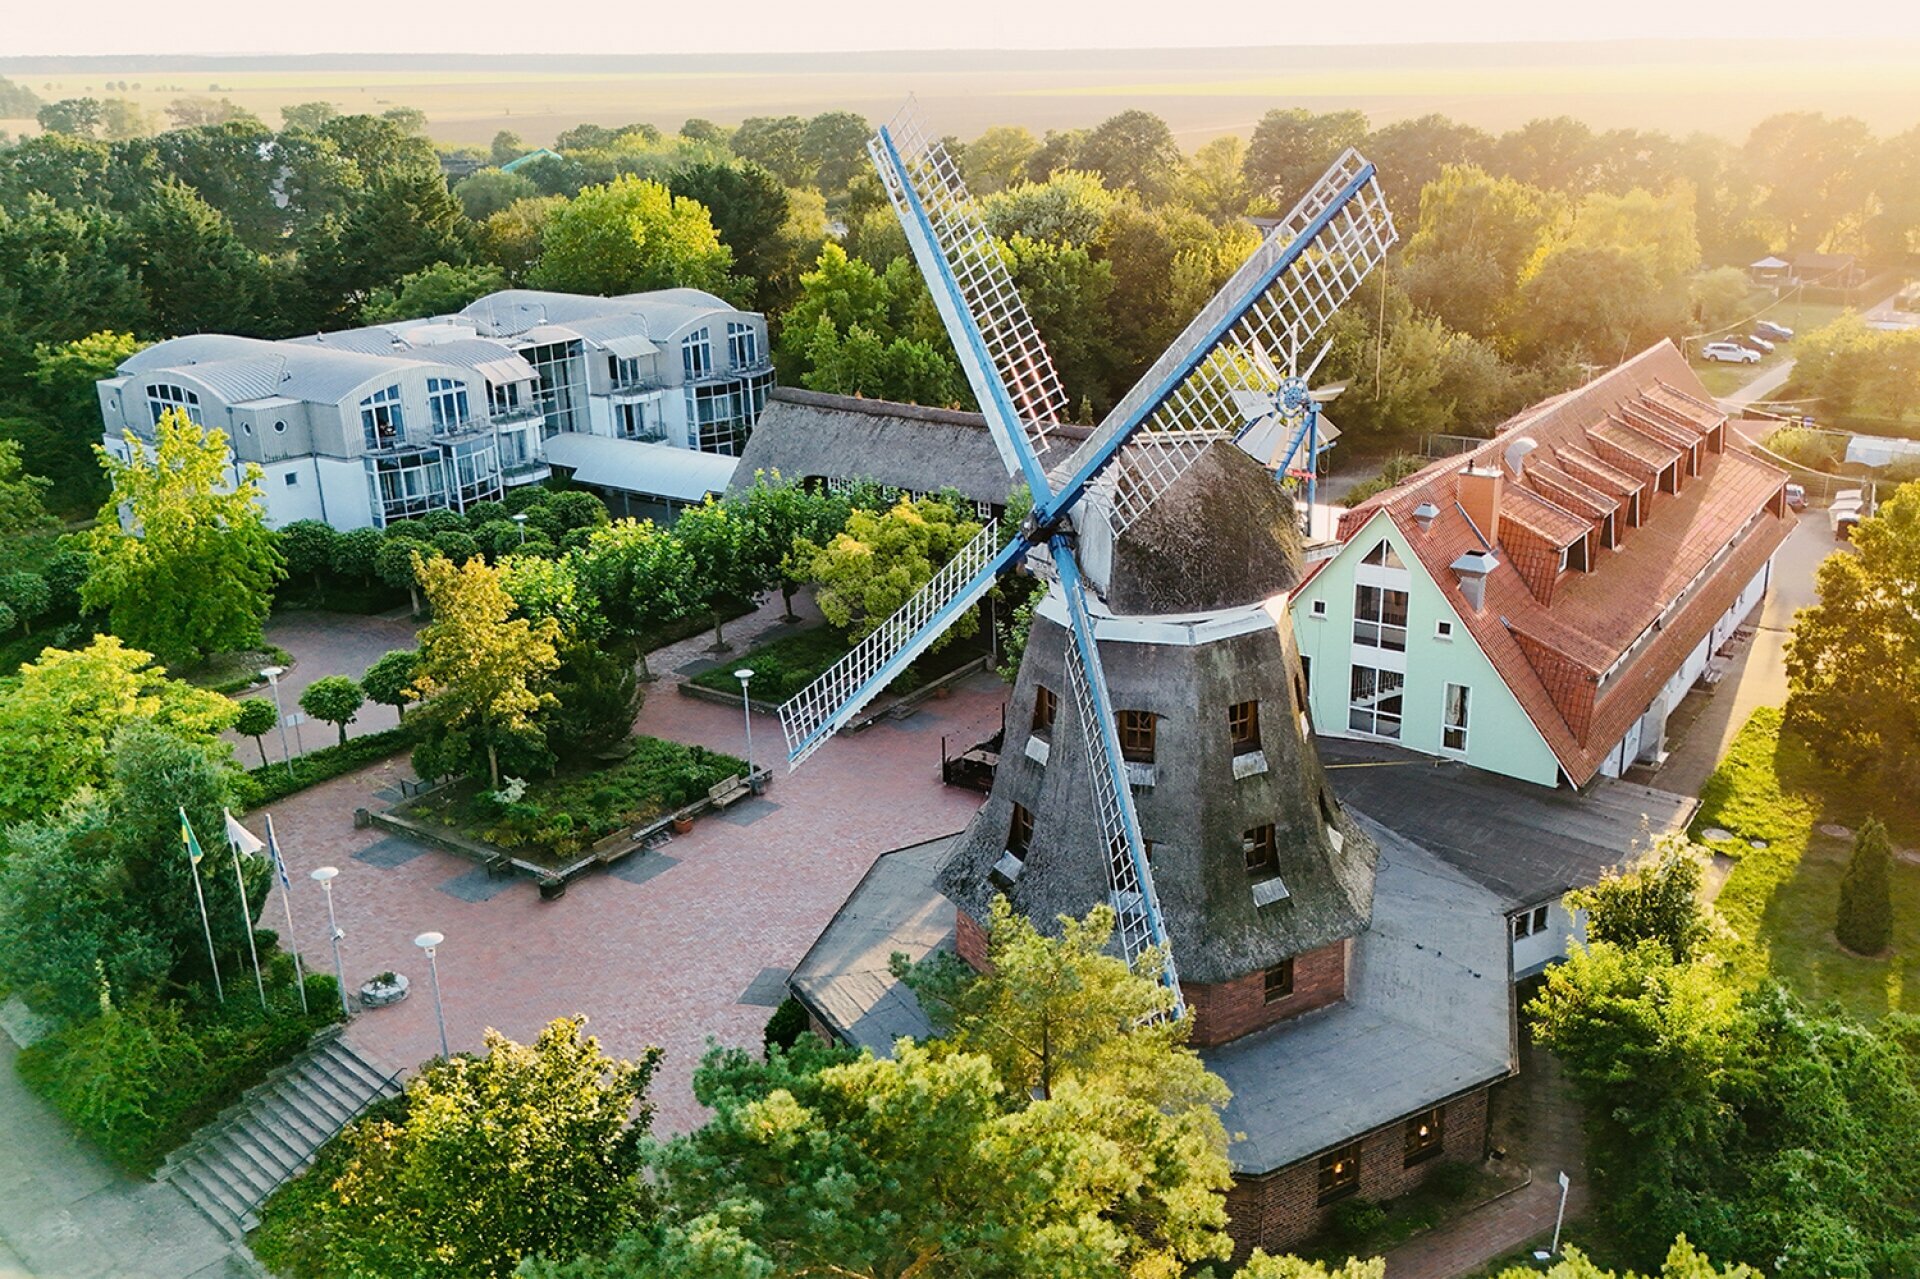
(649, 397)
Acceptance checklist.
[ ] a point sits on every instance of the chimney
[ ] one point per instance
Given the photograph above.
(1425, 514)
(1478, 491)
(1471, 571)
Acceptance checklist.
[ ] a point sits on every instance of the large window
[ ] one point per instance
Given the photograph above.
(381, 419)
(561, 391)
(1136, 735)
(1380, 617)
(1374, 701)
(743, 345)
(162, 396)
(696, 354)
(406, 483)
(1453, 718)
(623, 373)
(446, 404)
(1426, 1134)
(713, 418)
(1340, 1172)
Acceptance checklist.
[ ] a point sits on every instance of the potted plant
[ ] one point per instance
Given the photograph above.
(382, 989)
(682, 823)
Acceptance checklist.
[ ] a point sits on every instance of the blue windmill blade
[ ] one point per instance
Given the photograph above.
(1290, 287)
(825, 706)
(1136, 906)
(1000, 350)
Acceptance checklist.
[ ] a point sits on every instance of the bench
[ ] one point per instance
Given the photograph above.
(499, 866)
(726, 794)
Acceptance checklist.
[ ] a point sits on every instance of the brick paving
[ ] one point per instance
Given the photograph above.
(326, 644)
(651, 956)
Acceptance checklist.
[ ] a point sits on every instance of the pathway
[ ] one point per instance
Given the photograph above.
(674, 947)
(327, 644)
(65, 1213)
(1545, 1122)
(1760, 388)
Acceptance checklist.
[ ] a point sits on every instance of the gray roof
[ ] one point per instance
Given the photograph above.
(802, 434)
(636, 466)
(1528, 844)
(316, 373)
(1428, 1015)
(512, 312)
(1222, 535)
(844, 979)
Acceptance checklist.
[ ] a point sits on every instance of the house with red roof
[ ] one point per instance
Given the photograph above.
(1537, 606)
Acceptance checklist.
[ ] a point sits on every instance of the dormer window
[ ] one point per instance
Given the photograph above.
(1020, 832)
(164, 396)
(696, 354)
(1045, 707)
(1260, 849)
(1137, 729)
(381, 419)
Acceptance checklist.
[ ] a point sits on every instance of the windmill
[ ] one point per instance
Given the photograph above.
(1087, 491)
(1282, 414)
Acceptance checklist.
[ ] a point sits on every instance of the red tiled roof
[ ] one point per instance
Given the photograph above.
(1662, 588)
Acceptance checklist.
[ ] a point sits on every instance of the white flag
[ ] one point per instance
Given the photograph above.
(240, 837)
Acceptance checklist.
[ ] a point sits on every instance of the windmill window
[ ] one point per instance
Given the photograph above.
(1243, 724)
(1277, 981)
(1020, 832)
(1045, 706)
(1340, 1173)
(1260, 849)
(1136, 735)
(1426, 1134)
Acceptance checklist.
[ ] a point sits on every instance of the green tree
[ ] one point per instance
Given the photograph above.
(775, 143)
(440, 289)
(507, 147)
(58, 717)
(1656, 899)
(480, 668)
(485, 193)
(1292, 148)
(309, 116)
(22, 505)
(1483, 229)
(1412, 153)
(1263, 1266)
(334, 699)
(406, 221)
(1814, 175)
(998, 158)
(389, 681)
(393, 564)
(524, 1149)
(1864, 924)
(1600, 302)
(628, 236)
(643, 578)
(510, 239)
(833, 147)
(1720, 297)
(1214, 184)
(192, 570)
(307, 547)
(1682, 1262)
(782, 513)
(1133, 151)
(749, 208)
(1071, 207)
(880, 560)
(726, 570)
(1853, 660)
(77, 117)
(66, 426)
(198, 275)
(256, 718)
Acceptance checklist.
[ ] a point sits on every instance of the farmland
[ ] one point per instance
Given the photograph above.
(1719, 88)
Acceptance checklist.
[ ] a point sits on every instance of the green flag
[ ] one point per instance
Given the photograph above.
(188, 841)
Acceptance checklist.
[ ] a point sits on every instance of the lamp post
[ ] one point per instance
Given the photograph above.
(324, 875)
(744, 674)
(521, 520)
(273, 674)
(430, 942)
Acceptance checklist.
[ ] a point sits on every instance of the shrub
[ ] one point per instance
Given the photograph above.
(788, 1023)
(1865, 922)
(277, 781)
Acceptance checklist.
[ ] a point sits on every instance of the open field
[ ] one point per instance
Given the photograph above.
(1721, 87)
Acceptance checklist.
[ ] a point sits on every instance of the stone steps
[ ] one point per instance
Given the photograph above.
(229, 1167)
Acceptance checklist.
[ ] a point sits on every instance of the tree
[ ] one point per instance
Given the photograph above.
(880, 560)
(998, 158)
(1215, 182)
(406, 221)
(507, 147)
(1656, 899)
(77, 117)
(628, 236)
(1412, 153)
(1720, 297)
(780, 514)
(726, 572)
(1070, 207)
(1853, 660)
(389, 679)
(1599, 302)
(257, 717)
(1682, 1262)
(307, 546)
(776, 143)
(393, 564)
(68, 275)
(1498, 225)
(1292, 148)
(523, 1149)
(334, 699)
(67, 424)
(510, 239)
(22, 506)
(833, 146)
(1133, 151)
(440, 289)
(749, 209)
(1865, 922)
(480, 668)
(1814, 173)
(309, 116)
(199, 111)
(597, 696)
(198, 275)
(58, 717)
(192, 570)
(643, 578)
(485, 193)
(26, 596)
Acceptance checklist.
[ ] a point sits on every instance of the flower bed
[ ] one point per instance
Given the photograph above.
(552, 821)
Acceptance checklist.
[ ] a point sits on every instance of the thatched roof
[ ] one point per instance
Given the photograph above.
(806, 435)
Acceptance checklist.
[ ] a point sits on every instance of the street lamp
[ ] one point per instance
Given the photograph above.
(521, 520)
(744, 674)
(273, 674)
(324, 875)
(429, 942)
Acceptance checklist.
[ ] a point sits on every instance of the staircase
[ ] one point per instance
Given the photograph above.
(231, 1165)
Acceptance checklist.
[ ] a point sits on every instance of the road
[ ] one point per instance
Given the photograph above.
(1760, 389)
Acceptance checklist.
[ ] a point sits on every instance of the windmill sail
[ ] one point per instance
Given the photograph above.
(1291, 286)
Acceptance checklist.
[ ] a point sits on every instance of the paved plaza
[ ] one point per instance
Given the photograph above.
(674, 947)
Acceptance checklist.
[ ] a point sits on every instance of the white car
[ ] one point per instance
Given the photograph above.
(1729, 353)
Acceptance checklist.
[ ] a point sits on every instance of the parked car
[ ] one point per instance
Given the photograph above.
(1754, 342)
(1797, 496)
(1729, 353)
(1775, 332)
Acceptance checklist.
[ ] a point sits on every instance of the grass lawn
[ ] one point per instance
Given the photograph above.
(1801, 317)
(1780, 900)
(786, 665)
(557, 817)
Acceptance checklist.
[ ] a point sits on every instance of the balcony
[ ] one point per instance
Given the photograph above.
(530, 472)
(514, 415)
(637, 388)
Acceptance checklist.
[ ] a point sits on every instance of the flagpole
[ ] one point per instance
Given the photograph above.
(246, 918)
(187, 838)
(286, 900)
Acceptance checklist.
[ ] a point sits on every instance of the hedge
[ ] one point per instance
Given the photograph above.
(276, 781)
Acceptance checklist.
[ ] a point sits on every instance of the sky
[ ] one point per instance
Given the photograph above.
(680, 26)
